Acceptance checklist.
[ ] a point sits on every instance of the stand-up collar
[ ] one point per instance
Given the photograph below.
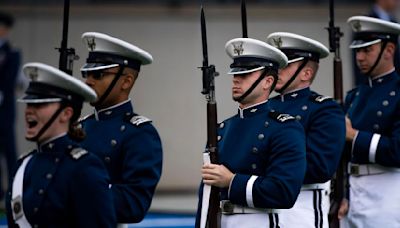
(293, 95)
(253, 109)
(124, 107)
(382, 79)
(56, 144)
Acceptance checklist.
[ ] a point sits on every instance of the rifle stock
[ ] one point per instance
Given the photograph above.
(209, 74)
(339, 181)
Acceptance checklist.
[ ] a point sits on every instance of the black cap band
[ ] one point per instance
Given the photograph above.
(371, 36)
(295, 53)
(253, 62)
(108, 58)
(42, 90)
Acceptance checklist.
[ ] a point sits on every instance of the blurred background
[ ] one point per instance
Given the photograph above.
(168, 91)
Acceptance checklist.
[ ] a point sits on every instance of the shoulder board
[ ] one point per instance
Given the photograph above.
(321, 98)
(281, 117)
(138, 120)
(23, 156)
(77, 153)
(84, 118)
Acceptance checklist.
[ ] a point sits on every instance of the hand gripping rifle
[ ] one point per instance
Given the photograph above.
(67, 55)
(340, 180)
(210, 200)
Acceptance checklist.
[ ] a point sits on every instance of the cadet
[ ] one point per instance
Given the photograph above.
(59, 184)
(373, 127)
(323, 121)
(128, 144)
(261, 152)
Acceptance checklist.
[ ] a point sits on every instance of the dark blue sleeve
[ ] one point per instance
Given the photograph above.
(383, 149)
(283, 177)
(326, 136)
(141, 171)
(91, 195)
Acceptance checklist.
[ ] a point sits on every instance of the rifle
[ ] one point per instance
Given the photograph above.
(67, 55)
(339, 182)
(244, 19)
(210, 154)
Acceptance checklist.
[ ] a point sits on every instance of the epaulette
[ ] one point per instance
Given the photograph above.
(138, 120)
(281, 117)
(77, 153)
(84, 118)
(321, 98)
(23, 156)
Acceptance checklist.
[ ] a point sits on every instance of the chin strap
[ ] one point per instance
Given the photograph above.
(48, 123)
(241, 98)
(110, 87)
(281, 90)
(383, 46)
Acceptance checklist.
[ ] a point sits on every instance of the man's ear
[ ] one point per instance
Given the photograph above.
(127, 81)
(389, 50)
(307, 73)
(269, 80)
(66, 114)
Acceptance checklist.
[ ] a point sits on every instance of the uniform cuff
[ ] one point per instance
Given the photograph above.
(373, 146)
(361, 147)
(240, 186)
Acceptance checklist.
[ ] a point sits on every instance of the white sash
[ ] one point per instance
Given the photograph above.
(206, 195)
(17, 191)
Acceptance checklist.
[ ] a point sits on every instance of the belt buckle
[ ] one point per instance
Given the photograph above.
(227, 207)
(354, 169)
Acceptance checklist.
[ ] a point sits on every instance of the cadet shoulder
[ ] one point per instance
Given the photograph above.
(23, 156)
(320, 99)
(281, 117)
(82, 119)
(137, 120)
(77, 153)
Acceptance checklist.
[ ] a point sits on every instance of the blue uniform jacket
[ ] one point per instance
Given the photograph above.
(374, 110)
(130, 147)
(324, 126)
(64, 186)
(266, 152)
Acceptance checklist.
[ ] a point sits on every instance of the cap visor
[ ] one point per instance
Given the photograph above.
(361, 43)
(97, 66)
(38, 99)
(295, 60)
(241, 70)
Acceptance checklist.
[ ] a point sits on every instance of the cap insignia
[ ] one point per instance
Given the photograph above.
(277, 42)
(238, 48)
(357, 26)
(91, 43)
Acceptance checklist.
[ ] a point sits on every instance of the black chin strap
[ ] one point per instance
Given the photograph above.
(241, 98)
(383, 46)
(110, 87)
(281, 90)
(49, 122)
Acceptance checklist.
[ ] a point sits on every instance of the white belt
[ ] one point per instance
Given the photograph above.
(324, 186)
(228, 208)
(369, 169)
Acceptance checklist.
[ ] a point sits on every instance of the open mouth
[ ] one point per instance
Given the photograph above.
(31, 123)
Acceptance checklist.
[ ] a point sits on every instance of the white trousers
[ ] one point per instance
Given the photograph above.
(250, 220)
(374, 201)
(310, 210)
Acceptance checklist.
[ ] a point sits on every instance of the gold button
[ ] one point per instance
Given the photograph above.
(41, 191)
(385, 103)
(266, 124)
(221, 125)
(298, 117)
(107, 159)
(255, 150)
(304, 108)
(376, 126)
(393, 93)
(49, 176)
(379, 113)
(122, 128)
(56, 160)
(254, 166)
(261, 136)
(113, 142)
